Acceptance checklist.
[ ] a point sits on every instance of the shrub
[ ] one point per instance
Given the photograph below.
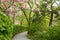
(6, 27)
(40, 24)
(18, 29)
(53, 33)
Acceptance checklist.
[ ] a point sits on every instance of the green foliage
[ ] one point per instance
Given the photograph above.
(19, 29)
(6, 27)
(53, 33)
(39, 24)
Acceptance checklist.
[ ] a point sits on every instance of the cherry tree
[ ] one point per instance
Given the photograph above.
(39, 8)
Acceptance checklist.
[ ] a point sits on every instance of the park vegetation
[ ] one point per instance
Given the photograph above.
(41, 18)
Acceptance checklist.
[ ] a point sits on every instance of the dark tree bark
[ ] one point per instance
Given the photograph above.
(51, 19)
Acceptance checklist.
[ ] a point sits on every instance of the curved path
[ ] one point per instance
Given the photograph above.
(21, 36)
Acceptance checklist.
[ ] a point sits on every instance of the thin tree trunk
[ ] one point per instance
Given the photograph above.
(29, 17)
(51, 19)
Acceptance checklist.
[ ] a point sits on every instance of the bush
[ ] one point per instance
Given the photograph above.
(53, 33)
(39, 25)
(18, 29)
(6, 27)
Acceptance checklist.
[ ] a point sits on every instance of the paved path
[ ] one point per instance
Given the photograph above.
(21, 36)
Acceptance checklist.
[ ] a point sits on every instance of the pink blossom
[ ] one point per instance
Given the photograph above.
(25, 0)
(19, 1)
(23, 7)
(37, 3)
(32, 9)
(15, 0)
(4, 0)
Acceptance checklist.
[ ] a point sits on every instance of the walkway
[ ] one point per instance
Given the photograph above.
(21, 36)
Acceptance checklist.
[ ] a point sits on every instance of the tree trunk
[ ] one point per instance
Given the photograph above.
(51, 19)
